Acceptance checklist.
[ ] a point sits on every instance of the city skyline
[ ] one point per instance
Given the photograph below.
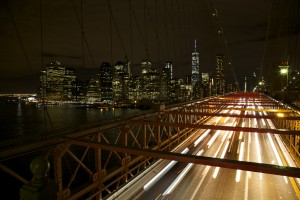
(115, 84)
(158, 31)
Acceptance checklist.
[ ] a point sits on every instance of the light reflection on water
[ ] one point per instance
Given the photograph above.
(18, 120)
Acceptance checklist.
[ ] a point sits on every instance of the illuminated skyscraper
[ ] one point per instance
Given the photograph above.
(205, 78)
(150, 81)
(146, 67)
(120, 81)
(205, 84)
(106, 73)
(127, 68)
(69, 84)
(166, 81)
(195, 65)
(93, 92)
(57, 82)
(169, 65)
(220, 81)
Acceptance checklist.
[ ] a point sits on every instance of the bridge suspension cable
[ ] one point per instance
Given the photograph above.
(281, 43)
(19, 37)
(83, 36)
(43, 92)
(116, 26)
(223, 41)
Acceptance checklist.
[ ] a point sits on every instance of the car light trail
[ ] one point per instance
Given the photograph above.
(227, 118)
(276, 154)
(231, 132)
(255, 121)
(241, 133)
(238, 172)
(205, 171)
(288, 158)
(218, 119)
(248, 174)
(181, 176)
(261, 113)
(258, 151)
(225, 150)
(274, 148)
(216, 153)
(213, 138)
(224, 137)
(222, 156)
(263, 121)
(270, 124)
(201, 137)
(230, 135)
(162, 172)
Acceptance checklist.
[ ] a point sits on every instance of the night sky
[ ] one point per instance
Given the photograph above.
(34, 34)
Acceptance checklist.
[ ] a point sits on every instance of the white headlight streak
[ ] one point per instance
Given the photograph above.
(162, 172)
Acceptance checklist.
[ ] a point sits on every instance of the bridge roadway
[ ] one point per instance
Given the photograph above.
(222, 148)
(190, 181)
(205, 182)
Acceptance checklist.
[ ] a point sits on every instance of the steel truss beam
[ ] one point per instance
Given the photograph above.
(226, 163)
(228, 128)
(235, 115)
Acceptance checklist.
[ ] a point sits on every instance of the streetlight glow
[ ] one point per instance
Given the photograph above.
(280, 114)
(283, 71)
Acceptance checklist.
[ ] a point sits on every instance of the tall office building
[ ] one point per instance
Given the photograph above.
(57, 82)
(120, 82)
(135, 88)
(150, 82)
(80, 91)
(188, 79)
(127, 68)
(93, 92)
(69, 84)
(106, 74)
(195, 65)
(146, 67)
(220, 81)
(205, 78)
(205, 84)
(165, 81)
(169, 66)
(174, 91)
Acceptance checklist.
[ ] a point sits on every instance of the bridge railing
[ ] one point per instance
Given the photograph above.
(94, 171)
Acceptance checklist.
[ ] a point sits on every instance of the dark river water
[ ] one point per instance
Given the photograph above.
(22, 120)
